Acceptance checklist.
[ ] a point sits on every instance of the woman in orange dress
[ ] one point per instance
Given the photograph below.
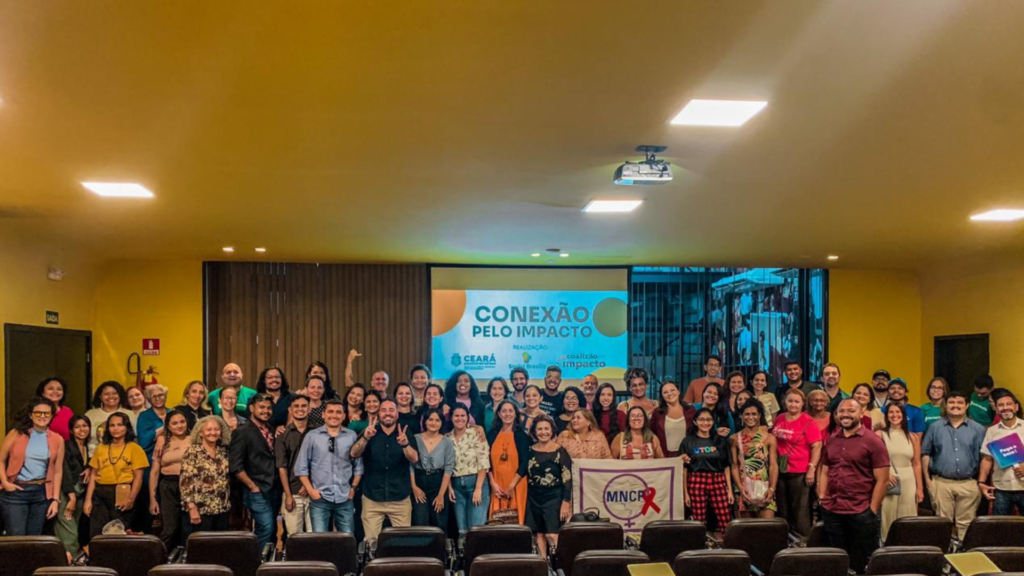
(510, 446)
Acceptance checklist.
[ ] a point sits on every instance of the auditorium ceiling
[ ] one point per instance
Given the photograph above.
(475, 131)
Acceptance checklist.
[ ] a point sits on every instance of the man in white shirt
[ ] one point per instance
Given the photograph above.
(1007, 487)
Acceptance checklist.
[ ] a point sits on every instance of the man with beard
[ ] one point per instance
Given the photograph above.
(1007, 488)
(520, 380)
(898, 395)
(830, 378)
(328, 472)
(589, 391)
(794, 379)
(551, 399)
(273, 383)
(387, 455)
(880, 381)
(251, 457)
(695, 391)
(854, 477)
(231, 377)
(950, 458)
(295, 507)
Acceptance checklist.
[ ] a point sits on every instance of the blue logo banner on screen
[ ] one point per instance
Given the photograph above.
(582, 332)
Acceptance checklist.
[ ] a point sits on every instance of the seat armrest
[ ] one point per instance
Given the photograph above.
(755, 572)
(267, 554)
(712, 542)
(956, 545)
(559, 572)
(81, 560)
(177, 556)
(795, 541)
(631, 543)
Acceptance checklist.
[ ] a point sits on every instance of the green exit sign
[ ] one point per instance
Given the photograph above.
(52, 317)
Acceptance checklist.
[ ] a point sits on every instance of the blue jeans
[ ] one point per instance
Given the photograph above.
(322, 513)
(1005, 502)
(468, 514)
(263, 507)
(24, 511)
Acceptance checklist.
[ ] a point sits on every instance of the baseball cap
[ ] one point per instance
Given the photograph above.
(881, 373)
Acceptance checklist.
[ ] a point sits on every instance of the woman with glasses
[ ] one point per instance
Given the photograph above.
(572, 401)
(637, 442)
(228, 412)
(31, 470)
(938, 390)
(153, 419)
(708, 480)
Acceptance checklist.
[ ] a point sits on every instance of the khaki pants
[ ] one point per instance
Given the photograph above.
(298, 519)
(400, 514)
(957, 500)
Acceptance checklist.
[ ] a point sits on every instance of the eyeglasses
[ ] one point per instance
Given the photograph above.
(41, 414)
(331, 444)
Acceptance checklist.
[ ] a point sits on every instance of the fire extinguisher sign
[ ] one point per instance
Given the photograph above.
(150, 346)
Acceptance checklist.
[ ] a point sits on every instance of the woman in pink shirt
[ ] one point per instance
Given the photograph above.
(55, 389)
(799, 448)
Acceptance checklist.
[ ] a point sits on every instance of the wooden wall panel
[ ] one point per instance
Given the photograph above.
(288, 315)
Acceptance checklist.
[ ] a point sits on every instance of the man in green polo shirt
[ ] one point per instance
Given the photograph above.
(980, 409)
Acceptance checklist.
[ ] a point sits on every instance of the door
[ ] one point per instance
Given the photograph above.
(960, 359)
(33, 353)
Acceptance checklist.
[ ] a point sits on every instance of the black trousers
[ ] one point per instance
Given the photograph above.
(169, 491)
(793, 499)
(207, 523)
(856, 533)
(103, 510)
(424, 514)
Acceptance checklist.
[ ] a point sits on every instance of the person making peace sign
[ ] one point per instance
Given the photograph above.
(387, 454)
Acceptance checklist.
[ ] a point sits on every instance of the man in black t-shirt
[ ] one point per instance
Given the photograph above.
(551, 399)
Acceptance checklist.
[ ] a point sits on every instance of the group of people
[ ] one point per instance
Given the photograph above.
(413, 453)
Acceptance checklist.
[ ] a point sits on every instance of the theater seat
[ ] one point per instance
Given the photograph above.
(413, 541)
(239, 551)
(128, 555)
(338, 548)
(994, 531)
(75, 571)
(297, 569)
(663, 540)
(1008, 558)
(816, 561)
(608, 562)
(921, 531)
(23, 555)
(817, 538)
(577, 537)
(512, 539)
(191, 570)
(712, 563)
(760, 538)
(398, 566)
(508, 565)
(926, 560)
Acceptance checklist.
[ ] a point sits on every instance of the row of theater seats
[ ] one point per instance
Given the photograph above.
(749, 546)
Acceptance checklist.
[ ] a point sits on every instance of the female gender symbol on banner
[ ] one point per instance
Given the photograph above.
(627, 497)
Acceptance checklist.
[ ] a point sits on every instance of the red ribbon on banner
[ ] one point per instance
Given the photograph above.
(649, 501)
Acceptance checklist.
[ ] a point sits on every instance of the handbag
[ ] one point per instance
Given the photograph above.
(507, 515)
(757, 489)
(897, 489)
(122, 496)
(588, 515)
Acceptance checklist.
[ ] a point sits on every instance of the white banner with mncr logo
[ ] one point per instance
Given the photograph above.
(630, 492)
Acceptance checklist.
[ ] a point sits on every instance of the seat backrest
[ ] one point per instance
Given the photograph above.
(663, 540)
(760, 538)
(22, 555)
(608, 562)
(338, 548)
(409, 566)
(926, 560)
(712, 563)
(75, 571)
(817, 538)
(921, 531)
(508, 565)
(1000, 574)
(507, 538)
(128, 555)
(412, 541)
(288, 568)
(191, 570)
(1008, 558)
(239, 551)
(994, 531)
(817, 561)
(576, 537)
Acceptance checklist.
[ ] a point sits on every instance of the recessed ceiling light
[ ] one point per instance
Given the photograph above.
(118, 189)
(612, 205)
(261, 249)
(535, 254)
(999, 215)
(718, 112)
(229, 248)
(564, 254)
(833, 257)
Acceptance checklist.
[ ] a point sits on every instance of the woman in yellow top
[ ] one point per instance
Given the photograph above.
(118, 464)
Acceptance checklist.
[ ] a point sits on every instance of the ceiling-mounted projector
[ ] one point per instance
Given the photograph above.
(649, 171)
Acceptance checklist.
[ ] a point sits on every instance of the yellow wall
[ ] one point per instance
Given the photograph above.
(26, 294)
(158, 299)
(875, 322)
(974, 298)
